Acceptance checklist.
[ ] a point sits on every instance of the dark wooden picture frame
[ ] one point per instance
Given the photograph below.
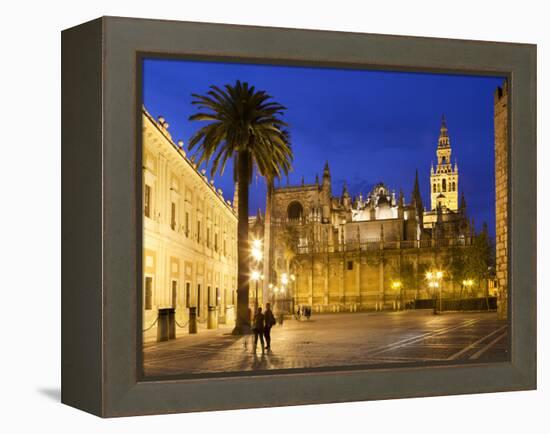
(101, 227)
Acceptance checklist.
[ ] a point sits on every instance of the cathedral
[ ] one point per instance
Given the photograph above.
(366, 252)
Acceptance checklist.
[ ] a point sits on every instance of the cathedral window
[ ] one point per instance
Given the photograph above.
(435, 188)
(444, 185)
(350, 265)
(295, 211)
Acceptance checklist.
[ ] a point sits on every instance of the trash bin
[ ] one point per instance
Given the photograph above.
(212, 317)
(192, 320)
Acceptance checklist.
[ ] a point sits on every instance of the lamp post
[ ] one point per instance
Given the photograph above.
(397, 285)
(285, 280)
(434, 281)
(270, 286)
(257, 255)
(255, 276)
(293, 280)
(467, 283)
(275, 298)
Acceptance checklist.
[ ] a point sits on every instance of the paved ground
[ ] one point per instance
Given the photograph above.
(338, 340)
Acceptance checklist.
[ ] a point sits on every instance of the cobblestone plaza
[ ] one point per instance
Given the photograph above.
(342, 339)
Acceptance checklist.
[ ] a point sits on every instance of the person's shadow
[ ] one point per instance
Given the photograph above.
(259, 362)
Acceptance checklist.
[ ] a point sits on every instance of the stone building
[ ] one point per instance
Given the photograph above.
(501, 192)
(189, 234)
(367, 252)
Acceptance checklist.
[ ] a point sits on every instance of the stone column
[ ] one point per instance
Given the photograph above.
(501, 192)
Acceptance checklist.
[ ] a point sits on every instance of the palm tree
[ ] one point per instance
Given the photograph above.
(244, 124)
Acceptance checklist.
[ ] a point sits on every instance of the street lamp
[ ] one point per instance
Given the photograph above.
(293, 293)
(255, 276)
(397, 285)
(434, 281)
(468, 283)
(256, 251)
(257, 255)
(284, 279)
(284, 283)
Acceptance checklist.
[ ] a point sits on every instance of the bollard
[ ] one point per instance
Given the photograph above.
(171, 323)
(212, 317)
(162, 325)
(192, 320)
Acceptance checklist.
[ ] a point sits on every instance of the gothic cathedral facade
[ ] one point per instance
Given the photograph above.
(367, 252)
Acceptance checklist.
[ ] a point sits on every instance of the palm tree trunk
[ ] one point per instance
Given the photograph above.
(267, 241)
(243, 255)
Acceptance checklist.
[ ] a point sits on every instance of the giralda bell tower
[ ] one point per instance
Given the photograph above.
(444, 179)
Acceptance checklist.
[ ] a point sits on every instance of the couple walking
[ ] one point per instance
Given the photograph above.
(262, 327)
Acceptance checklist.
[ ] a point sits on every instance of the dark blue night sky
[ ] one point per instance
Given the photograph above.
(371, 126)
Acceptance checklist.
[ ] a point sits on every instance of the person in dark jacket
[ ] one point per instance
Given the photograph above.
(259, 328)
(269, 320)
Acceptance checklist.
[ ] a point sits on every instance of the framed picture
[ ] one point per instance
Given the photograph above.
(263, 217)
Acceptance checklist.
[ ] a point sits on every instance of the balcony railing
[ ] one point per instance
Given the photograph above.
(373, 245)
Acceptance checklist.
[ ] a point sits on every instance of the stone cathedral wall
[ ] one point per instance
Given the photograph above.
(353, 281)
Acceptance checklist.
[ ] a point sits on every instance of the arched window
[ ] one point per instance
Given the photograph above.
(435, 188)
(454, 186)
(295, 211)
(444, 185)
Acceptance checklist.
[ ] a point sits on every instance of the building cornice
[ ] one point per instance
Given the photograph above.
(185, 160)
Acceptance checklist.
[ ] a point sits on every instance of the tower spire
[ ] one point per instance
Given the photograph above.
(417, 198)
(346, 199)
(326, 183)
(401, 200)
(345, 192)
(326, 170)
(462, 202)
(443, 134)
